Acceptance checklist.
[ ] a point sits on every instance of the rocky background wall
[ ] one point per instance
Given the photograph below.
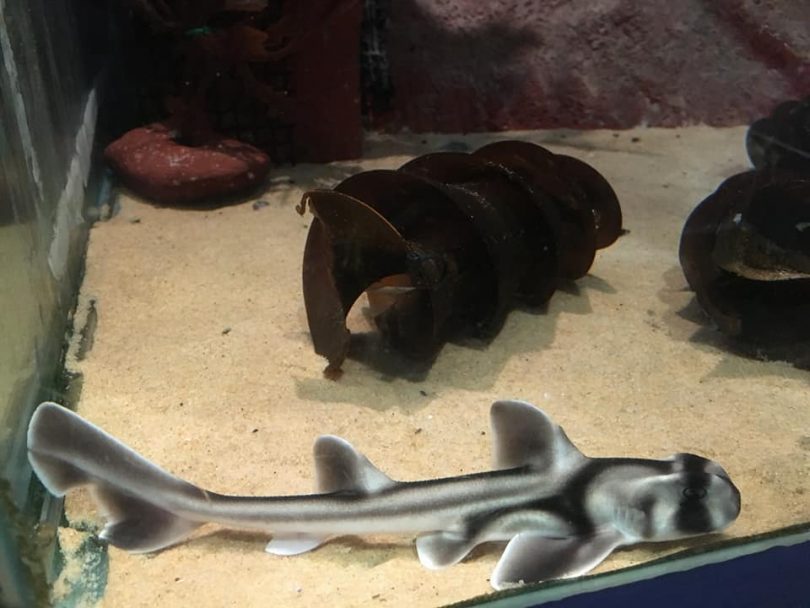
(473, 65)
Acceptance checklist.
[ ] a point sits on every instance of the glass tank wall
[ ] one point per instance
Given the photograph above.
(48, 115)
(373, 221)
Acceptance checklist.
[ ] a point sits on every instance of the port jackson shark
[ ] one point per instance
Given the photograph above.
(559, 512)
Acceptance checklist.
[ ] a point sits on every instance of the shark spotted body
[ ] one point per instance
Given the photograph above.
(560, 512)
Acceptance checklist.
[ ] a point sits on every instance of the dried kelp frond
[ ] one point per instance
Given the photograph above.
(783, 139)
(447, 244)
(336, 271)
(745, 251)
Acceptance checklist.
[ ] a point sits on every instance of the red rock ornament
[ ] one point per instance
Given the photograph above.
(153, 164)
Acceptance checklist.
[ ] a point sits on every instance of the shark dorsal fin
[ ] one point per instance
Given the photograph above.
(339, 467)
(525, 436)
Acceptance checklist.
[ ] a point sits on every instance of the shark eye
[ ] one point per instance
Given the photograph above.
(693, 493)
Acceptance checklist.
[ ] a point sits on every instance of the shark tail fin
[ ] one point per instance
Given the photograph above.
(146, 508)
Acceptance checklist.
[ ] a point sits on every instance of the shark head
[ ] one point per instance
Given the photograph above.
(696, 496)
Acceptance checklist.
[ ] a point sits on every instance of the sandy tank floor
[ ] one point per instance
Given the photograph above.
(201, 360)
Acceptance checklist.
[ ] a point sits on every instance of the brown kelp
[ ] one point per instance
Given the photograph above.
(745, 251)
(782, 140)
(448, 243)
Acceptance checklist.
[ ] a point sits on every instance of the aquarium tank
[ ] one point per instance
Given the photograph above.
(416, 303)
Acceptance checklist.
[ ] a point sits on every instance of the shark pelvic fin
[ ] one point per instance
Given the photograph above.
(140, 501)
(293, 544)
(525, 436)
(441, 549)
(531, 557)
(339, 467)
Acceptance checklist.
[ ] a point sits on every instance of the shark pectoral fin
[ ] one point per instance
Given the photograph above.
(339, 467)
(524, 435)
(441, 549)
(293, 544)
(531, 557)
